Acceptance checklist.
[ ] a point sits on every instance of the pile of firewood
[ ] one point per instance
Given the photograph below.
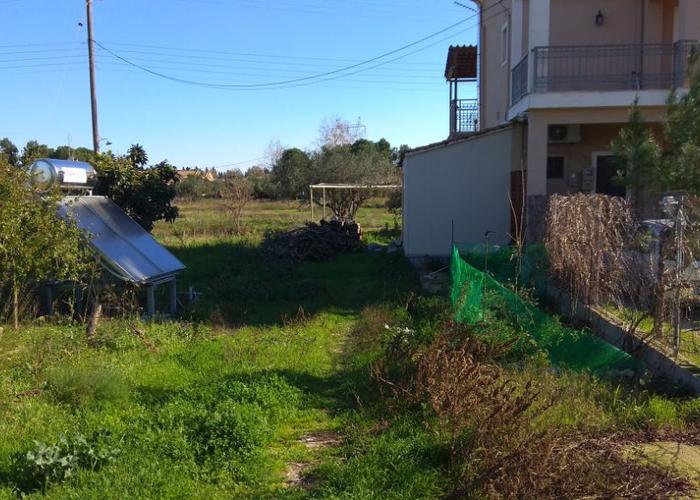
(314, 241)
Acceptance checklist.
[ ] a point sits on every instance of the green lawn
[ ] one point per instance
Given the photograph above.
(214, 404)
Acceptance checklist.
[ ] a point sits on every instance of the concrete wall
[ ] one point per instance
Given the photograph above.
(495, 76)
(467, 182)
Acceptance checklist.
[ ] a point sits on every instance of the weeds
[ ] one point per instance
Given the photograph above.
(49, 464)
(80, 386)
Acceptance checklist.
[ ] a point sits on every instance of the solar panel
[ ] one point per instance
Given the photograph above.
(128, 250)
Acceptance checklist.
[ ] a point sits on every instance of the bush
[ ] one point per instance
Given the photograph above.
(36, 245)
(145, 194)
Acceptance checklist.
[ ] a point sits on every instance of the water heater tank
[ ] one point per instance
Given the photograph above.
(67, 174)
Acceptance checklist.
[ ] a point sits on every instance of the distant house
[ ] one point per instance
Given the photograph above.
(206, 174)
(553, 87)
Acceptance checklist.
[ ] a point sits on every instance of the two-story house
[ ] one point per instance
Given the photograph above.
(556, 79)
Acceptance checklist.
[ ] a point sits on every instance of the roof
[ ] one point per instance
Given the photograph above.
(461, 62)
(129, 252)
(457, 139)
(204, 174)
(326, 185)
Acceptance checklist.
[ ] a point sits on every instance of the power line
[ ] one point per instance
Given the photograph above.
(289, 81)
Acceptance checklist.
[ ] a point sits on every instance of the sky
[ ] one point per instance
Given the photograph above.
(217, 46)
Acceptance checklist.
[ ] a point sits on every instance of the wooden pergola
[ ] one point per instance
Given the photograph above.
(325, 186)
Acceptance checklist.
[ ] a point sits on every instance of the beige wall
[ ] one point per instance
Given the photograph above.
(572, 22)
(495, 76)
(689, 19)
(466, 182)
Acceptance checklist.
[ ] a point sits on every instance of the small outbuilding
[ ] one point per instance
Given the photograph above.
(456, 191)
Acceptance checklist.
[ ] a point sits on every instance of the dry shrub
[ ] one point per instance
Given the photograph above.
(586, 240)
(486, 413)
(497, 450)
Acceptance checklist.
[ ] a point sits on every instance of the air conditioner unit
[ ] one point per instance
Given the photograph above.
(564, 134)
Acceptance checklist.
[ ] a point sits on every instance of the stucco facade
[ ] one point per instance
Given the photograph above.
(561, 76)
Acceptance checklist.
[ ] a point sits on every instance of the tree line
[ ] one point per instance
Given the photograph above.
(341, 157)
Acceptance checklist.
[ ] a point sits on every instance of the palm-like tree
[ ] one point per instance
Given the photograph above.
(137, 155)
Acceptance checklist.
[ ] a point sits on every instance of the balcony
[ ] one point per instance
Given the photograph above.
(464, 116)
(602, 68)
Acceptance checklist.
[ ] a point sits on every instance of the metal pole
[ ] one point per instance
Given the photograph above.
(93, 96)
(324, 203)
(679, 269)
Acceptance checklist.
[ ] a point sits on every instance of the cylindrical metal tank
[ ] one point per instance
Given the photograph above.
(48, 173)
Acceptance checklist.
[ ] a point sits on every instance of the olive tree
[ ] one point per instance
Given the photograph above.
(36, 245)
(363, 163)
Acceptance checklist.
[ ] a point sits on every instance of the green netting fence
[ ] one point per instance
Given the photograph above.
(478, 297)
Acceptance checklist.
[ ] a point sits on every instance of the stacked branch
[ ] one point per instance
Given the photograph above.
(314, 241)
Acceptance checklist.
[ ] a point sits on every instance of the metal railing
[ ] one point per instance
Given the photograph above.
(519, 80)
(464, 116)
(611, 67)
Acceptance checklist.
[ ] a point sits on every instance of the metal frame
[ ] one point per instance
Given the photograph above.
(323, 186)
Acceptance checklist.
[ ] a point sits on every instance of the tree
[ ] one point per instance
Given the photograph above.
(291, 173)
(33, 151)
(637, 154)
(145, 194)
(669, 164)
(9, 151)
(36, 245)
(137, 155)
(236, 193)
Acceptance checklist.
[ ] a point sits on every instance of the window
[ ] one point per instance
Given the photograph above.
(555, 167)
(505, 44)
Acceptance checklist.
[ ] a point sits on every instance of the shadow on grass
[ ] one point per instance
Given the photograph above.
(241, 285)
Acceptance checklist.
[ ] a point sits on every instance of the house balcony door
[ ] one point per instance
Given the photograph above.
(605, 171)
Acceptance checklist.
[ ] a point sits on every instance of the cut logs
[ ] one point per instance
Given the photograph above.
(315, 241)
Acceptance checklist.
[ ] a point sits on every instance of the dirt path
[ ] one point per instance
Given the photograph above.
(315, 441)
(679, 458)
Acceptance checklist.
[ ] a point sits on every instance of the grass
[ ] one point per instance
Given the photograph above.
(690, 335)
(214, 405)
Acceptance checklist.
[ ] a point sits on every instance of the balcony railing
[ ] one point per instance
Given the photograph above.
(608, 67)
(464, 116)
(520, 80)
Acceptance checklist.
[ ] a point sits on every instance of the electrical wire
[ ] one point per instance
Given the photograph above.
(279, 83)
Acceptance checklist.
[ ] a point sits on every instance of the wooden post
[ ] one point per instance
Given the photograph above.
(324, 203)
(151, 301)
(173, 296)
(311, 191)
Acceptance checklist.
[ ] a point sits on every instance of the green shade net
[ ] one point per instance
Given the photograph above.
(476, 296)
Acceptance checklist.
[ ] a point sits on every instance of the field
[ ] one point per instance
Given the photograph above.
(267, 387)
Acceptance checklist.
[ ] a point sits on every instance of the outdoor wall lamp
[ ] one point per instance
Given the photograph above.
(599, 18)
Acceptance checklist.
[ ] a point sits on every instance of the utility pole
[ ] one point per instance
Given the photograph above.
(91, 63)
